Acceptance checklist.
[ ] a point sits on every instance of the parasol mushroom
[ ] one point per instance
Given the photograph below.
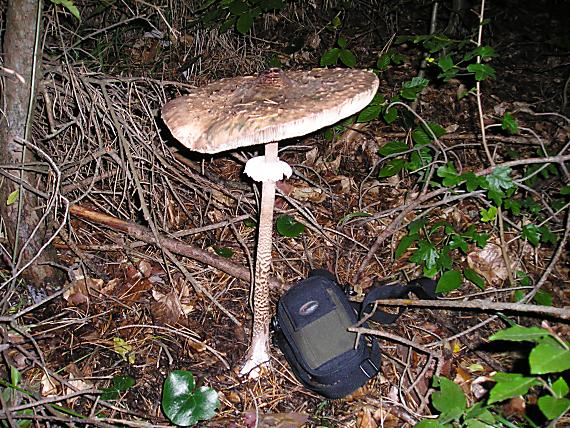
(245, 111)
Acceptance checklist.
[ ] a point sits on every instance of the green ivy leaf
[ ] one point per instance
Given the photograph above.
(543, 298)
(472, 181)
(392, 167)
(444, 261)
(347, 57)
(553, 407)
(531, 205)
(445, 63)
(238, 7)
(183, 404)
(330, 57)
(546, 235)
(532, 233)
(482, 71)
(426, 254)
(393, 148)
(483, 51)
(384, 61)
(447, 227)
(119, 384)
(342, 42)
(565, 190)
(225, 252)
(548, 358)
(510, 124)
(289, 227)
(560, 387)
(518, 333)
(398, 58)
(412, 88)
(510, 385)
(415, 226)
(474, 277)
(496, 196)
(420, 137)
(404, 244)
(457, 241)
(244, 23)
(449, 174)
(513, 205)
(336, 22)
(370, 113)
(435, 129)
(450, 399)
(523, 278)
(449, 281)
(249, 222)
(499, 179)
(479, 238)
(488, 215)
(390, 115)
(419, 158)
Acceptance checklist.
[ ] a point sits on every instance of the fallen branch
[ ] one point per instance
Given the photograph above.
(483, 305)
(144, 234)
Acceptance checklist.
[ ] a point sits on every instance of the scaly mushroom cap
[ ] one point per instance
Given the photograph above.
(244, 111)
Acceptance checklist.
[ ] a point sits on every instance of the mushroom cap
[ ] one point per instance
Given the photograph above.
(249, 110)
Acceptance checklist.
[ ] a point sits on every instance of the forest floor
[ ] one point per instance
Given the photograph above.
(124, 315)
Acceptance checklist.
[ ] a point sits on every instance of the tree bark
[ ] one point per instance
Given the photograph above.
(19, 55)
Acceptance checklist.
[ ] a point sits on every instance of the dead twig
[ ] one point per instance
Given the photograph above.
(482, 305)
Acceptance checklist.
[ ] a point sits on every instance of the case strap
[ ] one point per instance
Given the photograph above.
(424, 288)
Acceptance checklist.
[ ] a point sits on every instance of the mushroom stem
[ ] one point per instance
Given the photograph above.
(258, 352)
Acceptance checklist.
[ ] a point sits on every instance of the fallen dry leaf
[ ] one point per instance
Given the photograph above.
(308, 194)
(76, 385)
(341, 184)
(365, 420)
(322, 165)
(78, 293)
(166, 309)
(48, 386)
(489, 263)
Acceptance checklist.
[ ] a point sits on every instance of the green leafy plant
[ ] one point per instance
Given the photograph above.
(225, 252)
(433, 248)
(183, 403)
(454, 58)
(389, 58)
(289, 227)
(401, 157)
(548, 359)
(238, 14)
(11, 395)
(120, 384)
(341, 52)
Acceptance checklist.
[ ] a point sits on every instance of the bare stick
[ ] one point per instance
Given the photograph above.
(483, 305)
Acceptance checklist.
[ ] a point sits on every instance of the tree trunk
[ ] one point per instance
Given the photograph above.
(19, 48)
